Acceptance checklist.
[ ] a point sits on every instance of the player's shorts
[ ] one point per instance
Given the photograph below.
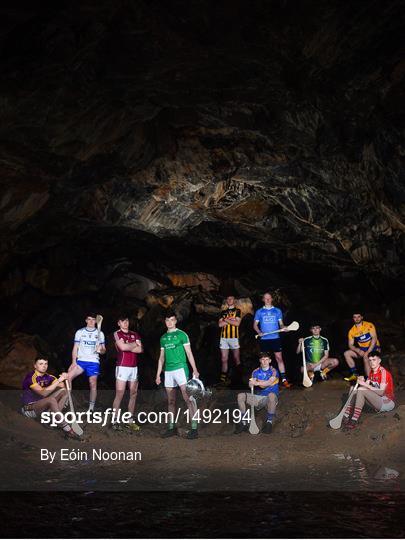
(127, 374)
(175, 378)
(229, 343)
(90, 368)
(270, 345)
(387, 404)
(259, 401)
(376, 350)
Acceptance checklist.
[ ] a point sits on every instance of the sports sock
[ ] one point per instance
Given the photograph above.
(194, 424)
(353, 370)
(66, 427)
(171, 425)
(223, 376)
(348, 411)
(91, 405)
(282, 375)
(356, 414)
(270, 417)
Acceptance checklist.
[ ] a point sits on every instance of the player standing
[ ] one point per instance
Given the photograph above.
(269, 319)
(128, 345)
(229, 323)
(362, 341)
(89, 343)
(175, 349)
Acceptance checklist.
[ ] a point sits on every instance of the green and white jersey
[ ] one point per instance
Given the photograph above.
(173, 345)
(315, 348)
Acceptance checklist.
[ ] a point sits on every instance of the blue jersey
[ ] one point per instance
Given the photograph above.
(268, 321)
(264, 375)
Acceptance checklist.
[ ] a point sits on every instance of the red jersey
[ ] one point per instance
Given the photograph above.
(126, 358)
(383, 377)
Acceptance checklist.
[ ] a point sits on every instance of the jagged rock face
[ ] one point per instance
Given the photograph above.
(143, 141)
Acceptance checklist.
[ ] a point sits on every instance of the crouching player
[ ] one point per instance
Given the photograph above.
(377, 391)
(44, 392)
(265, 383)
(317, 354)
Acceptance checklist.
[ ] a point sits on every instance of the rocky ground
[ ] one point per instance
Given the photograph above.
(302, 453)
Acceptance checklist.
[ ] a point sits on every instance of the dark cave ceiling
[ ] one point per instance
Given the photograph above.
(151, 137)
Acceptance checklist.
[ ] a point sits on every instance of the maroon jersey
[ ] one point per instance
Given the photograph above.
(383, 377)
(126, 358)
(33, 377)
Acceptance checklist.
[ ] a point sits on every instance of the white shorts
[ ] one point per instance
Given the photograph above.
(229, 343)
(124, 373)
(175, 378)
(387, 404)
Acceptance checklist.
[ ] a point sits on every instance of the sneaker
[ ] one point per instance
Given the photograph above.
(345, 421)
(352, 424)
(132, 426)
(352, 378)
(192, 434)
(170, 432)
(224, 381)
(72, 435)
(240, 427)
(286, 384)
(267, 428)
(27, 413)
(116, 426)
(324, 373)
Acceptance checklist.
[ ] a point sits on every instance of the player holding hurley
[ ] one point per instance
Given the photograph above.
(89, 343)
(264, 380)
(362, 341)
(377, 391)
(128, 345)
(317, 353)
(44, 392)
(268, 319)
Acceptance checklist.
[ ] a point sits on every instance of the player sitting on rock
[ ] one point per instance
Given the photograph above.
(265, 383)
(317, 354)
(377, 391)
(44, 392)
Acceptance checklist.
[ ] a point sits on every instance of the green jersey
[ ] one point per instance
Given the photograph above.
(315, 348)
(173, 345)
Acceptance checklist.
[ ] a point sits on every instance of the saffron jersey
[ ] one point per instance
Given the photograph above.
(32, 378)
(126, 358)
(383, 377)
(361, 335)
(264, 375)
(315, 348)
(230, 331)
(87, 340)
(268, 319)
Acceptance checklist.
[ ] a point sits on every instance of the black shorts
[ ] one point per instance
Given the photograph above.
(270, 345)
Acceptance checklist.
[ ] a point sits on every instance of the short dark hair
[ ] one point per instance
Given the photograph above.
(315, 324)
(40, 358)
(123, 317)
(357, 312)
(374, 355)
(91, 314)
(170, 313)
(264, 355)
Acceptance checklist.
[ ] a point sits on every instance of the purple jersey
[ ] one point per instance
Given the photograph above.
(33, 377)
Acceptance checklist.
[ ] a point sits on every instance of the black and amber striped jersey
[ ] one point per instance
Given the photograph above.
(230, 331)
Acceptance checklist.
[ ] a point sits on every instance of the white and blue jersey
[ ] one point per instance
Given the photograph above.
(87, 340)
(264, 375)
(268, 319)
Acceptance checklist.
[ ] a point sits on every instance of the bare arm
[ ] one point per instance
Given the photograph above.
(47, 390)
(379, 391)
(161, 361)
(74, 353)
(131, 347)
(256, 328)
(222, 323)
(300, 345)
(189, 353)
(234, 321)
